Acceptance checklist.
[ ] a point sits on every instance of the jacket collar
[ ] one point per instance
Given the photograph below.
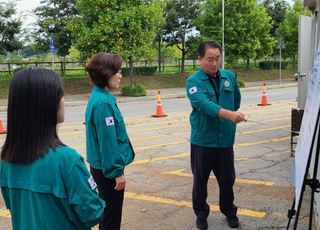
(204, 76)
(105, 92)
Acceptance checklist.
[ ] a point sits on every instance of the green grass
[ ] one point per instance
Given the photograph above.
(261, 75)
(176, 80)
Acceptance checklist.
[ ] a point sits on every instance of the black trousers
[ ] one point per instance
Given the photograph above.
(221, 162)
(112, 214)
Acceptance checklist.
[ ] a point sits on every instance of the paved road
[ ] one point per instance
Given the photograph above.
(158, 192)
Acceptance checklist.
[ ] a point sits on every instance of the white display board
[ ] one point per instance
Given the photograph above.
(308, 127)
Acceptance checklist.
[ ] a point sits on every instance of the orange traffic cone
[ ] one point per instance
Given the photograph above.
(159, 112)
(1, 128)
(264, 100)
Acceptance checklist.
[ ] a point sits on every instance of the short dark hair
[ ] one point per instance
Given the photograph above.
(102, 66)
(208, 44)
(33, 105)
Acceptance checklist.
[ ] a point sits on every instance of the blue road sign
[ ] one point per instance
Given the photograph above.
(52, 47)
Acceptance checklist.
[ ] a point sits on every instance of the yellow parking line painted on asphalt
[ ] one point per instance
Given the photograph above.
(181, 142)
(170, 134)
(63, 127)
(132, 139)
(244, 212)
(73, 138)
(277, 119)
(187, 124)
(162, 127)
(159, 158)
(169, 157)
(156, 123)
(235, 146)
(67, 127)
(143, 147)
(71, 122)
(261, 142)
(160, 145)
(157, 136)
(262, 130)
(247, 212)
(71, 133)
(264, 121)
(5, 213)
(144, 117)
(259, 113)
(180, 172)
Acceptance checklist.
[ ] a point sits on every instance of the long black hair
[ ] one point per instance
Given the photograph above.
(33, 105)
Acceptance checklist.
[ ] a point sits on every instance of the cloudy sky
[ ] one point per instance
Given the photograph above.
(25, 7)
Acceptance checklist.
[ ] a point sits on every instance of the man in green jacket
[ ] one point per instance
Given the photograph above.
(215, 99)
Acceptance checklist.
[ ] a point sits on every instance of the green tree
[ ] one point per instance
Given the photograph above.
(167, 52)
(28, 51)
(16, 57)
(246, 29)
(179, 29)
(193, 53)
(9, 28)
(289, 29)
(74, 54)
(52, 17)
(125, 27)
(276, 9)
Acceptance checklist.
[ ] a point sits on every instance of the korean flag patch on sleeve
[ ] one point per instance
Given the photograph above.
(193, 90)
(92, 183)
(110, 121)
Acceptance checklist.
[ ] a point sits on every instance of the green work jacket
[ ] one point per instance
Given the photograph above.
(207, 129)
(108, 145)
(54, 192)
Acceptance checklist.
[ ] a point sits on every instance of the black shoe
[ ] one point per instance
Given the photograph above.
(233, 222)
(202, 223)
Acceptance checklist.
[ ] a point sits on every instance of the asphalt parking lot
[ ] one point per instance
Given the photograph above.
(159, 182)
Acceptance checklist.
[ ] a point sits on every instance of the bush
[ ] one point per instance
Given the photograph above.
(277, 65)
(241, 84)
(272, 65)
(266, 65)
(5, 75)
(139, 70)
(4, 87)
(135, 91)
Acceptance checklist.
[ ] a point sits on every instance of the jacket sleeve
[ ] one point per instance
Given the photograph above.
(83, 197)
(200, 100)
(106, 123)
(237, 96)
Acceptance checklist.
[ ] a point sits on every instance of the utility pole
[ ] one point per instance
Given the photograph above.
(222, 59)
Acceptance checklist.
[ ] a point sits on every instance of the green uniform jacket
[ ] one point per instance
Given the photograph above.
(207, 129)
(54, 192)
(108, 145)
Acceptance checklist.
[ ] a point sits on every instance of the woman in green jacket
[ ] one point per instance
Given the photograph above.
(44, 183)
(108, 146)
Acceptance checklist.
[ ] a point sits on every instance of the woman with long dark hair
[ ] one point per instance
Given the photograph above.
(44, 183)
